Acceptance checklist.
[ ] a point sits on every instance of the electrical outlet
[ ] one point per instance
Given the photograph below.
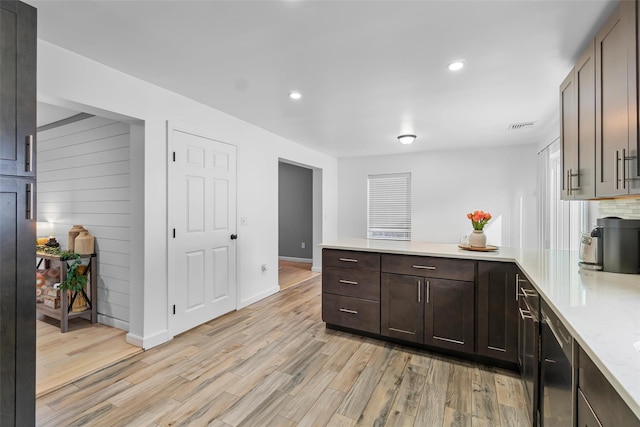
(303, 245)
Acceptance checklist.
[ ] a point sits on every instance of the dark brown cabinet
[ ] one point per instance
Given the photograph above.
(17, 89)
(17, 215)
(598, 402)
(402, 305)
(616, 104)
(351, 289)
(449, 314)
(577, 129)
(497, 311)
(428, 300)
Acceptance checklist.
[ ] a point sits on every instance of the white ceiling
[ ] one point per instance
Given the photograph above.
(368, 70)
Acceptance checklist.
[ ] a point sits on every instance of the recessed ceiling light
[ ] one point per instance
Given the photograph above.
(456, 65)
(295, 94)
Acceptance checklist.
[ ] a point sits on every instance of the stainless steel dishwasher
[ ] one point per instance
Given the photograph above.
(556, 372)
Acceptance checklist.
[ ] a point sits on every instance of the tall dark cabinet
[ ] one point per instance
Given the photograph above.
(17, 212)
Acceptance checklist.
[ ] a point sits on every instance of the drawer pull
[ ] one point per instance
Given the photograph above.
(346, 310)
(424, 267)
(402, 331)
(348, 282)
(348, 260)
(525, 314)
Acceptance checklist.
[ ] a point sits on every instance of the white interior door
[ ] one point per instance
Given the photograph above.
(202, 206)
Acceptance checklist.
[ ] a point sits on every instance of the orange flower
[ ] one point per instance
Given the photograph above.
(479, 219)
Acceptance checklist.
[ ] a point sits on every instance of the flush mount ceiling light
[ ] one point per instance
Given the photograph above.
(406, 139)
(456, 65)
(295, 95)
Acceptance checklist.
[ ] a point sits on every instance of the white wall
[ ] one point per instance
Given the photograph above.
(446, 185)
(68, 79)
(84, 178)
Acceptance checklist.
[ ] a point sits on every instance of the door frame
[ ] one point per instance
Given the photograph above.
(171, 288)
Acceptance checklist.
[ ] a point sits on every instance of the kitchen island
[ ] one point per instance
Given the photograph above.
(601, 310)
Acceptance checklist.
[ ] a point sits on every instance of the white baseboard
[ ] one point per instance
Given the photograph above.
(114, 323)
(316, 269)
(258, 297)
(289, 258)
(149, 341)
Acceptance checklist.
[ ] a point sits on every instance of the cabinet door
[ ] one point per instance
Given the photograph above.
(17, 88)
(449, 314)
(583, 179)
(568, 135)
(402, 307)
(497, 327)
(17, 302)
(616, 99)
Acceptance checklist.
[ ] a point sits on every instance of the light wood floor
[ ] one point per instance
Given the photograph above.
(84, 349)
(275, 364)
(291, 273)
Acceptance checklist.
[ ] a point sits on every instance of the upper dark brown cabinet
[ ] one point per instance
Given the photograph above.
(617, 104)
(17, 89)
(577, 129)
(497, 330)
(17, 213)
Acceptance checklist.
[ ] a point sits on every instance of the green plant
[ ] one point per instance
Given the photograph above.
(75, 280)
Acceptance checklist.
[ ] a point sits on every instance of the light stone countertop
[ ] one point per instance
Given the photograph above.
(601, 310)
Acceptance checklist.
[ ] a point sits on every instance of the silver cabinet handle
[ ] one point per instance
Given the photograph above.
(624, 168)
(29, 194)
(419, 296)
(528, 293)
(28, 159)
(424, 267)
(348, 282)
(525, 314)
(428, 290)
(346, 310)
(348, 260)
(517, 281)
(616, 167)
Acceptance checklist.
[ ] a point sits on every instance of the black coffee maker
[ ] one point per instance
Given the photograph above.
(620, 245)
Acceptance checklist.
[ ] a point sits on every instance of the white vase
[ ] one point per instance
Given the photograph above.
(478, 239)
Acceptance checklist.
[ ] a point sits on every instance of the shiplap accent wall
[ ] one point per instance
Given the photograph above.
(84, 178)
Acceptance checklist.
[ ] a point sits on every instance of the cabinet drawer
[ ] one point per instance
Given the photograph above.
(603, 399)
(441, 268)
(354, 313)
(350, 259)
(350, 282)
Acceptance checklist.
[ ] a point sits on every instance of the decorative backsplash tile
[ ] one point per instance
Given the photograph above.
(623, 208)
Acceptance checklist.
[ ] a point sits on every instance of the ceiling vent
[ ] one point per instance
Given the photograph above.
(521, 125)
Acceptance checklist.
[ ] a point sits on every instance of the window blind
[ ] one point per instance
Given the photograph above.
(389, 206)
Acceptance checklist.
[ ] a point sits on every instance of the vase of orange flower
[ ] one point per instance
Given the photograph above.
(479, 219)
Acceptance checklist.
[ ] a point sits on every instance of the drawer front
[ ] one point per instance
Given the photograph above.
(603, 399)
(440, 268)
(350, 259)
(363, 284)
(354, 313)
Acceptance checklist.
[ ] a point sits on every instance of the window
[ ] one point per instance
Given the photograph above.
(389, 206)
(561, 222)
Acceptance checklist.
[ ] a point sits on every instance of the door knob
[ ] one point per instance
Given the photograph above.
(234, 236)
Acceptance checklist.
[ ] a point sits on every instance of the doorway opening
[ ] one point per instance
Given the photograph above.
(85, 166)
(299, 224)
